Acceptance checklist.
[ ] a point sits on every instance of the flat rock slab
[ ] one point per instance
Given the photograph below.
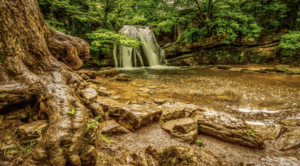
(186, 129)
(274, 161)
(30, 130)
(289, 140)
(269, 132)
(89, 94)
(229, 129)
(112, 128)
(172, 112)
(180, 155)
(134, 116)
(123, 77)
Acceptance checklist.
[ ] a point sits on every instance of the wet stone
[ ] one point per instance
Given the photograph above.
(152, 87)
(179, 155)
(107, 72)
(289, 140)
(194, 93)
(172, 112)
(89, 94)
(291, 122)
(229, 129)
(111, 128)
(186, 129)
(123, 77)
(269, 132)
(134, 116)
(104, 91)
(31, 130)
(274, 161)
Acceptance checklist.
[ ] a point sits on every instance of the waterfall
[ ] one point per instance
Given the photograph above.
(148, 54)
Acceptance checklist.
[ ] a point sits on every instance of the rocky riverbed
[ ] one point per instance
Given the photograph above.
(183, 116)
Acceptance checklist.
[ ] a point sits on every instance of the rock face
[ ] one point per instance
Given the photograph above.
(141, 157)
(186, 129)
(111, 127)
(229, 129)
(188, 156)
(289, 140)
(134, 116)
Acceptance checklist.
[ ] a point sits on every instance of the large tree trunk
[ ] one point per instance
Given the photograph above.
(36, 63)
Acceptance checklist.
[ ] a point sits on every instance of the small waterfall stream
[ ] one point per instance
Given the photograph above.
(148, 54)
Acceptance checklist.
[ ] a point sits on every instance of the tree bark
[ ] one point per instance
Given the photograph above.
(36, 63)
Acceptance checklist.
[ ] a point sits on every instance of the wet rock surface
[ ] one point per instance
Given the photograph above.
(89, 94)
(269, 132)
(186, 129)
(111, 127)
(289, 140)
(134, 116)
(229, 129)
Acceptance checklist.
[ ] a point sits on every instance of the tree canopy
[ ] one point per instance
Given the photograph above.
(98, 21)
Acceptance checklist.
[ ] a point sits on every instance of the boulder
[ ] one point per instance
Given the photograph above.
(141, 157)
(123, 77)
(31, 130)
(180, 155)
(229, 129)
(134, 116)
(89, 94)
(103, 91)
(111, 127)
(186, 129)
(289, 140)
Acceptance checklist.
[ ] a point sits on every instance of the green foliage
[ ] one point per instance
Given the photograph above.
(193, 34)
(290, 46)
(103, 40)
(200, 143)
(92, 125)
(161, 120)
(105, 137)
(73, 110)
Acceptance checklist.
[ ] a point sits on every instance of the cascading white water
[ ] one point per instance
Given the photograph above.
(149, 54)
